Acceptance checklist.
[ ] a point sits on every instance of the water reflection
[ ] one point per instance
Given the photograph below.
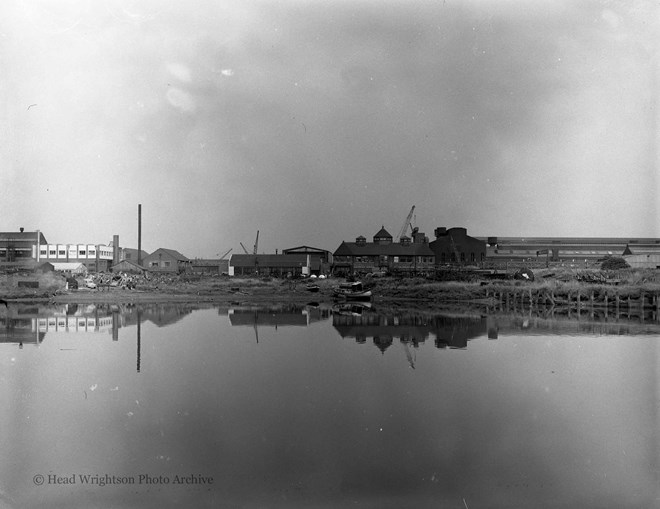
(418, 408)
(30, 324)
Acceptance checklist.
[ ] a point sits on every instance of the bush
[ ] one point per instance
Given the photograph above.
(614, 263)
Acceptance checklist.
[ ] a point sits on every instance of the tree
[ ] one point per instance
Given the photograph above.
(614, 263)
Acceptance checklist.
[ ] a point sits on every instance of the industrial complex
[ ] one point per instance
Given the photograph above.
(410, 252)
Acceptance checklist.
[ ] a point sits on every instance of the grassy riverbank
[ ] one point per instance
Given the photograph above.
(471, 288)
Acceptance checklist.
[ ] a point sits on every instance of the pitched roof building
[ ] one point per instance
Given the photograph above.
(407, 255)
(166, 260)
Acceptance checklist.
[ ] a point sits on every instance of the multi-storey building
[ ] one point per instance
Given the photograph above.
(96, 257)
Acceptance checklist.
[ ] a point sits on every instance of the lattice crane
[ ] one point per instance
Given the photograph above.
(402, 232)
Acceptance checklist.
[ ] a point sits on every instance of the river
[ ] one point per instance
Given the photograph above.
(171, 405)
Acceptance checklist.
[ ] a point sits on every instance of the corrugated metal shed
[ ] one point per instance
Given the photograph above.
(70, 267)
(643, 261)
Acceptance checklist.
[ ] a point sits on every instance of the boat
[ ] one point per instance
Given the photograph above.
(352, 291)
(313, 288)
(351, 308)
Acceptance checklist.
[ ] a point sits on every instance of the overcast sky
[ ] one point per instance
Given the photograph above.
(318, 121)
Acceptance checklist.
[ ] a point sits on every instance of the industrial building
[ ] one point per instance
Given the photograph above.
(571, 250)
(20, 249)
(210, 266)
(95, 257)
(454, 246)
(270, 264)
(166, 260)
(320, 259)
(408, 255)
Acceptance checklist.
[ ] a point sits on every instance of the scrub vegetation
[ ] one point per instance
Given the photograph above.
(449, 286)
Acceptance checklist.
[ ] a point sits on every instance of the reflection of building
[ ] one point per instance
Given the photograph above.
(20, 330)
(31, 323)
(384, 328)
(276, 316)
(456, 331)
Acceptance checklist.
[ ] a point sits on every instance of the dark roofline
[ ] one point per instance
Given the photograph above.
(392, 249)
(173, 253)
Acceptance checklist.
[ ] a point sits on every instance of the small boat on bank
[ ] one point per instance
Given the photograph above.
(313, 288)
(351, 308)
(351, 291)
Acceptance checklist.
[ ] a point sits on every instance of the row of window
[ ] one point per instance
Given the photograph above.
(80, 251)
(158, 264)
(462, 257)
(444, 258)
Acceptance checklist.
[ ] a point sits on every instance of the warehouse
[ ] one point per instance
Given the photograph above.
(270, 264)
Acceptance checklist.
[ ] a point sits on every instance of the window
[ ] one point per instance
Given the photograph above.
(52, 252)
(62, 252)
(82, 253)
(166, 264)
(128, 256)
(153, 264)
(472, 257)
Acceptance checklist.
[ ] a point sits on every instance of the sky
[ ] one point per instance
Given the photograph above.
(317, 121)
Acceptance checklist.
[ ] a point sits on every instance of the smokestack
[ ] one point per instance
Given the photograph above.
(140, 234)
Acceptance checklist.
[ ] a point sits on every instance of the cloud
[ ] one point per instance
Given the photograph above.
(181, 99)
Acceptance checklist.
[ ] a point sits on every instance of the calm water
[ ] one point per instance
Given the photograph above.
(181, 406)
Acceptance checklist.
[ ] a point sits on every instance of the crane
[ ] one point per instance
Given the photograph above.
(402, 232)
(256, 243)
(223, 256)
(246, 251)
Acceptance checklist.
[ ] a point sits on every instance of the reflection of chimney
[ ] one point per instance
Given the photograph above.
(115, 249)
(115, 326)
(139, 320)
(139, 234)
